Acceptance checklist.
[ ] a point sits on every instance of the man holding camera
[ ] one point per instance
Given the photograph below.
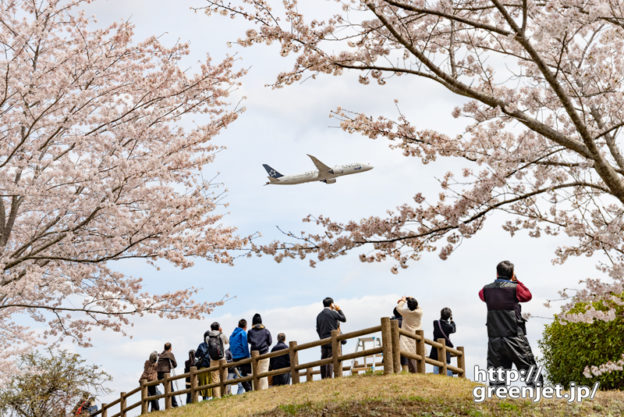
(507, 341)
(326, 321)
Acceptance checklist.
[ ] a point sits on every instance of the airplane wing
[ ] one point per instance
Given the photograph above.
(323, 169)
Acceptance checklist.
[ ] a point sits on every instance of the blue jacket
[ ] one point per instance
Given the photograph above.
(259, 337)
(238, 344)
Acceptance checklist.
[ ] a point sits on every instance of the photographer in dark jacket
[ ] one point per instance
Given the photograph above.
(279, 362)
(507, 341)
(259, 337)
(441, 330)
(326, 321)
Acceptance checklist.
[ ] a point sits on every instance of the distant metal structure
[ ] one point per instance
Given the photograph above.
(370, 361)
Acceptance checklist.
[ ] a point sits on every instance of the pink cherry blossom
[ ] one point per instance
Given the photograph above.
(545, 97)
(95, 166)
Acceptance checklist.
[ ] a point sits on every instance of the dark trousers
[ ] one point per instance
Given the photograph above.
(282, 379)
(174, 402)
(412, 365)
(244, 370)
(505, 351)
(151, 390)
(327, 371)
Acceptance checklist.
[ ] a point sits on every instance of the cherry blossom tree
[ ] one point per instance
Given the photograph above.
(543, 91)
(99, 162)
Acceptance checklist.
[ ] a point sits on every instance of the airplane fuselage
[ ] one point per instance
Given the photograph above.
(329, 177)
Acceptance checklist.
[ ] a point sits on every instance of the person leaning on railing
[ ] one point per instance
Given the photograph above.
(187, 368)
(442, 329)
(166, 362)
(150, 374)
(217, 343)
(239, 347)
(203, 361)
(408, 308)
(259, 338)
(280, 362)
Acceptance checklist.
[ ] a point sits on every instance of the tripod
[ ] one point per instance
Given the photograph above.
(175, 383)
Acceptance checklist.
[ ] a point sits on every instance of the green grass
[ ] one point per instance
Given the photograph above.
(391, 395)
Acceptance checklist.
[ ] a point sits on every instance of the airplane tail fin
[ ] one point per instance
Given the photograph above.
(271, 171)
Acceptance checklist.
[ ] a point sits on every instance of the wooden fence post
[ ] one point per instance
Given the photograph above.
(144, 402)
(194, 392)
(335, 345)
(386, 344)
(294, 361)
(396, 347)
(104, 410)
(461, 362)
(167, 389)
(254, 370)
(122, 404)
(420, 350)
(309, 375)
(442, 355)
(223, 373)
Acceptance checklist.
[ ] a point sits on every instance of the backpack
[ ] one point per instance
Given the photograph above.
(215, 347)
(203, 361)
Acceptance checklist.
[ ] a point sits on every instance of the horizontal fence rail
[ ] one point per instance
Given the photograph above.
(390, 350)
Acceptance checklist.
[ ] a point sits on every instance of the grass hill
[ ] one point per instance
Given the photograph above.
(391, 395)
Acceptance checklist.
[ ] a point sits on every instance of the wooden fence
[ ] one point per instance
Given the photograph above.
(390, 349)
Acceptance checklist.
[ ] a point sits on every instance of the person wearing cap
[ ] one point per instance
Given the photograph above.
(259, 338)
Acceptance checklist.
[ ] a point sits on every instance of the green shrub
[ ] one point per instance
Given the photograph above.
(568, 348)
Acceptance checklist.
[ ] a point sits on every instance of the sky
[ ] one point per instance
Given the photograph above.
(280, 127)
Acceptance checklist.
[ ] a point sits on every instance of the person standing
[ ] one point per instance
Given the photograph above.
(280, 362)
(232, 375)
(202, 362)
(441, 330)
(187, 368)
(167, 362)
(239, 347)
(411, 315)
(326, 321)
(151, 374)
(217, 343)
(507, 342)
(259, 337)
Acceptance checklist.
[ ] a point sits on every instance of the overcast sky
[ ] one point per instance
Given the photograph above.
(279, 127)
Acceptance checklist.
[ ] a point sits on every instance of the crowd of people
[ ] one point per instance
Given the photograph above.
(216, 345)
(507, 342)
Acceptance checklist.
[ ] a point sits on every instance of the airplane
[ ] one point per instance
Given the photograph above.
(324, 174)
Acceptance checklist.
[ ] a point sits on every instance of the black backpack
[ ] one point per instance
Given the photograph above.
(215, 347)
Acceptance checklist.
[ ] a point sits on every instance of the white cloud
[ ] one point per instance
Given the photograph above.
(279, 128)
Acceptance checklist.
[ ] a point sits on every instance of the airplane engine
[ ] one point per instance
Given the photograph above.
(329, 181)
